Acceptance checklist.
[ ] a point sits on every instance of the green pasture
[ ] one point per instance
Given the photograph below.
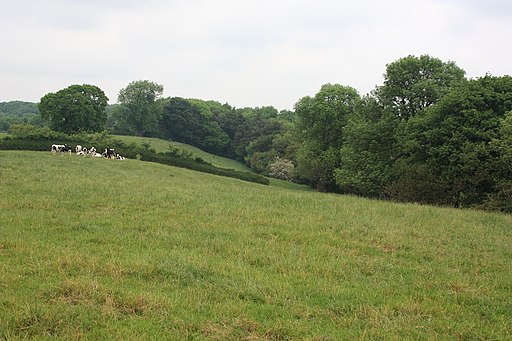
(161, 146)
(104, 249)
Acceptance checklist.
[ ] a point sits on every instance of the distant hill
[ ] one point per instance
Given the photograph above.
(18, 108)
(18, 112)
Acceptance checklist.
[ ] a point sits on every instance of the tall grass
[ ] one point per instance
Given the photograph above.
(96, 249)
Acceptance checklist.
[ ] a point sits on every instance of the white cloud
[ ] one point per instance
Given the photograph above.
(245, 53)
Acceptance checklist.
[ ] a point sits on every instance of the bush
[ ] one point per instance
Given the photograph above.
(421, 186)
(30, 132)
(499, 200)
(282, 169)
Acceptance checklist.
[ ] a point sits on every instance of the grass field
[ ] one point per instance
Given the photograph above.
(103, 249)
(163, 146)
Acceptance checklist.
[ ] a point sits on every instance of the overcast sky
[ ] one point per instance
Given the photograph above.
(245, 53)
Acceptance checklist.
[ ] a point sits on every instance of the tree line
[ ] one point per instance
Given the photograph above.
(427, 134)
(19, 112)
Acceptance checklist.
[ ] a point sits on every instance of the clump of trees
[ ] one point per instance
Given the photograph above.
(427, 135)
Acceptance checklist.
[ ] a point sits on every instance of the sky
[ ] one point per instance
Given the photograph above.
(245, 53)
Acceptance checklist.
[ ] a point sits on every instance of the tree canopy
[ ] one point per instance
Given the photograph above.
(412, 84)
(139, 109)
(320, 123)
(77, 108)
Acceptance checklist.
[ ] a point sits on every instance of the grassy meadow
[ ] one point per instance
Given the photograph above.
(162, 146)
(104, 249)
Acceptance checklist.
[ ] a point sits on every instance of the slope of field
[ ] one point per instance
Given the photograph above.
(104, 249)
(162, 146)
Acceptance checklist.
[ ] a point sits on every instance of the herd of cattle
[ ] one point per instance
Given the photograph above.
(109, 153)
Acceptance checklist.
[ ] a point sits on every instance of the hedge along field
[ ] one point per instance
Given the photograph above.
(162, 146)
(95, 248)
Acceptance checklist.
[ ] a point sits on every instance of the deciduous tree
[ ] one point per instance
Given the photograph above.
(320, 124)
(412, 84)
(139, 108)
(77, 108)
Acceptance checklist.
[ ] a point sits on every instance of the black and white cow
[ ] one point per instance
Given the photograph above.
(109, 153)
(60, 148)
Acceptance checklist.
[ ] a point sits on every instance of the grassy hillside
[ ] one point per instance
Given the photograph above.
(97, 249)
(163, 146)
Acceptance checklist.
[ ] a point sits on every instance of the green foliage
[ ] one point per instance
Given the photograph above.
(162, 146)
(260, 161)
(30, 132)
(320, 123)
(18, 108)
(460, 140)
(18, 112)
(192, 122)
(412, 84)
(139, 109)
(77, 108)
(368, 151)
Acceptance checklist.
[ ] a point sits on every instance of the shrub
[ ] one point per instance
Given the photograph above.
(30, 132)
(282, 169)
